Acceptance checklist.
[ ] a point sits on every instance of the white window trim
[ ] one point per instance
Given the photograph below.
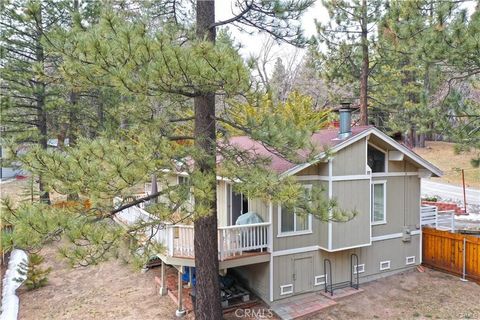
(385, 152)
(385, 262)
(285, 292)
(360, 266)
(320, 280)
(281, 234)
(191, 199)
(384, 221)
(412, 260)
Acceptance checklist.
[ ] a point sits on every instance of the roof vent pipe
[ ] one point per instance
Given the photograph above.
(345, 121)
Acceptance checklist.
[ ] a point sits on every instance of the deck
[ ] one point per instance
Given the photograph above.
(237, 245)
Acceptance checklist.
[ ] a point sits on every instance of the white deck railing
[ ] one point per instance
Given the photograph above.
(446, 220)
(136, 215)
(441, 220)
(428, 215)
(233, 241)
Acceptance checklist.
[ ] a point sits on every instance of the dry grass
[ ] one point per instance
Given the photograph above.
(110, 290)
(442, 155)
(14, 189)
(411, 295)
(19, 190)
(113, 290)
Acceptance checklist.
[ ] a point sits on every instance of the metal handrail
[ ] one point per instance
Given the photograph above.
(328, 276)
(352, 256)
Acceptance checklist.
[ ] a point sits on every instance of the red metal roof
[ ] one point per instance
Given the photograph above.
(321, 139)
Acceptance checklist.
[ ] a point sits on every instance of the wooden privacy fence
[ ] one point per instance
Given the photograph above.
(445, 250)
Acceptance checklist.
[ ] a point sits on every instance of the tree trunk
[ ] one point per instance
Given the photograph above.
(40, 101)
(364, 68)
(413, 137)
(154, 187)
(72, 115)
(421, 140)
(207, 304)
(101, 118)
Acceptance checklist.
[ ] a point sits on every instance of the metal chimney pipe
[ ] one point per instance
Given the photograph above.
(345, 129)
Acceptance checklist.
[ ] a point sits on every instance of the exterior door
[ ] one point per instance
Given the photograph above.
(236, 207)
(303, 274)
(237, 204)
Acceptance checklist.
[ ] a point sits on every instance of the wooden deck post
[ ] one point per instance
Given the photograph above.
(180, 312)
(163, 287)
(190, 277)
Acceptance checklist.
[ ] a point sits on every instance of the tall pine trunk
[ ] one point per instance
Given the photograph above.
(40, 94)
(72, 137)
(364, 68)
(208, 304)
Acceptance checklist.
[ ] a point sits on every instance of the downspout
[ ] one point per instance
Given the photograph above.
(270, 239)
(330, 196)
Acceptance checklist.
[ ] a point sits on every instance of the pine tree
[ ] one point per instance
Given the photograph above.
(349, 38)
(412, 80)
(279, 81)
(27, 94)
(31, 273)
(168, 75)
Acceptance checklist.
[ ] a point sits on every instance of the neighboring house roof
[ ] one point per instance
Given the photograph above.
(327, 138)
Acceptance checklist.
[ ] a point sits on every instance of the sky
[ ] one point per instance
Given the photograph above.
(252, 44)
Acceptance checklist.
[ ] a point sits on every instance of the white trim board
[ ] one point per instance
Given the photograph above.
(270, 238)
(394, 144)
(385, 152)
(281, 234)
(314, 248)
(294, 251)
(351, 247)
(330, 196)
(393, 236)
(334, 178)
(384, 183)
(393, 174)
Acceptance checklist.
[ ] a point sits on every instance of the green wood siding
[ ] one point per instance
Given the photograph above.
(351, 160)
(394, 250)
(319, 169)
(352, 195)
(403, 205)
(256, 278)
(401, 166)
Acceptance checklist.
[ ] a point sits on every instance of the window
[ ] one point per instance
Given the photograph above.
(359, 269)
(375, 159)
(290, 222)
(384, 265)
(378, 202)
(182, 180)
